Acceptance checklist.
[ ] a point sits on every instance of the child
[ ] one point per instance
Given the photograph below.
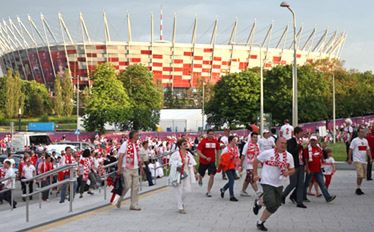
(328, 166)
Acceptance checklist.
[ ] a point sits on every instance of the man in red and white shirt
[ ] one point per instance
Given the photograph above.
(250, 151)
(360, 151)
(207, 150)
(128, 165)
(314, 156)
(277, 164)
(370, 138)
(65, 160)
(44, 167)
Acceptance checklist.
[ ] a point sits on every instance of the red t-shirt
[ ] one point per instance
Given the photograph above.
(370, 138)
(317, 156)
(208, 148)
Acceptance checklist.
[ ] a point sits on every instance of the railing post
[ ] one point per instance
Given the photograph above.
(40, 195)
(71, 193)
(27, 210)
(11, 192)
(105, 185)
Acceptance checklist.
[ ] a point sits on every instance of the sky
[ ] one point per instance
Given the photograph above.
(353, 17)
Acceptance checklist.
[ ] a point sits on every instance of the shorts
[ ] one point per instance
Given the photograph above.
(360, 169)
(211, 169)
(249, 176)
(272, 197)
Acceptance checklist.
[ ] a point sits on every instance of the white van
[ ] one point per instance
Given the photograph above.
(20, 140)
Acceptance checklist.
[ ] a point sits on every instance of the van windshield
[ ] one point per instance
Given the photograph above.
(40, 139)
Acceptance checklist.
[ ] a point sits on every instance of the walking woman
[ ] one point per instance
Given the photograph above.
(182, 173)
(229, 163)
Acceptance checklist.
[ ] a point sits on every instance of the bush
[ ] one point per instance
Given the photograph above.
(44, 118)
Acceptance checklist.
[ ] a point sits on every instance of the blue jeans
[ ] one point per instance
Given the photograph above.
(63, 189)
(320, 181)
(230, 184)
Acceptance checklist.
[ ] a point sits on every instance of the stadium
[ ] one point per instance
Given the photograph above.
(38, 53)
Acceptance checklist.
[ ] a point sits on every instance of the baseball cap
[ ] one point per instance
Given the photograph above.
(266, 131)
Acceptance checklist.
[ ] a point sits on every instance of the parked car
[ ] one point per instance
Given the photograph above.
(58, 148)
(78, 145)
(20, 140)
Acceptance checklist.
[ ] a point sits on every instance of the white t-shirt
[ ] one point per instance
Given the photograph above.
(327, 166)
(123, 149)
(28, 171)
(10, 184)
(359, 149)
(271, 174)
(224, 140)
(286, 130)
(266, 144)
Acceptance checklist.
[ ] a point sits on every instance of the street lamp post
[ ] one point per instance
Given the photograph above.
(261, 93)
(333, 108)
(294, 70)
(19, 119)
(202, 108)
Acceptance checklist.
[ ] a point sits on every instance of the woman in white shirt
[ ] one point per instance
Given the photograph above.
(182, 172)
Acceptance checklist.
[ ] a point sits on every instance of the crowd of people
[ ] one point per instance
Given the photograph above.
(303, 158)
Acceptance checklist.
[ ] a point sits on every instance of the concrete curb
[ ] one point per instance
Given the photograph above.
(85, 211)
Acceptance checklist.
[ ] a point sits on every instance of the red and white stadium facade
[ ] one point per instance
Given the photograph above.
(37, 55)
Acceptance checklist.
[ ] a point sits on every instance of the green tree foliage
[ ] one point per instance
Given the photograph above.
(37, 100)
(235, 100)
(313, 91)
(14, 97)
(108, 102)
(278, 92)
(67, 94)
(146, 98)
(2, 95)
(58, 105)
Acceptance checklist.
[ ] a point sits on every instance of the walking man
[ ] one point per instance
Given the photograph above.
(295, 148)
(286, 131)
(207, 150)
(277, 164)
(314, 155)
(129, 163)
(359, 150)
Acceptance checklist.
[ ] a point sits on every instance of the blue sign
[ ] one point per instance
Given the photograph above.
(77, 131)
(41, 126)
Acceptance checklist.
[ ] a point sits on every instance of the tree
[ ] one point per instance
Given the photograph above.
(313, 94)
(3, 81)
(67, 93)
(109, 102)
(146, 98)
(278, 92)
(37, 99)
(15, 97)
(58, 106)
(235, 99)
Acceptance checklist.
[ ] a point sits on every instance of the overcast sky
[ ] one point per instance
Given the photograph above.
(353, 17)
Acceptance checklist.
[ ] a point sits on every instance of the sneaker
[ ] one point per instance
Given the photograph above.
(135, 208)
(91, 193)
(283, 200)
(224, 178)
(359, 191)
(244, 194)
(201, 183)
(182, 211)
(306, 200)
(301, 205)
(233, 199)
(261, 226)
(256, 208)
(222, 193)
(331, 198)
(208, 194)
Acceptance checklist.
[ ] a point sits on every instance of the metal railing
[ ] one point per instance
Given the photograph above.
(13, 178)
(50, 174)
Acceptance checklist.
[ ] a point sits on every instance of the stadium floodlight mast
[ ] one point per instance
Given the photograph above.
(294, 70)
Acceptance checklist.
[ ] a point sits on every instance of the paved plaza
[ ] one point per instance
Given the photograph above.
(347, 213)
